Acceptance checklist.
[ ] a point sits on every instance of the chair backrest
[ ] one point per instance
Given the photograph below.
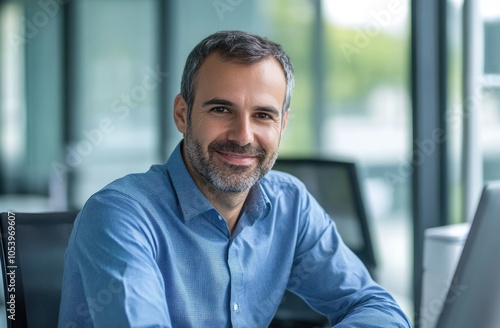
(33, 247)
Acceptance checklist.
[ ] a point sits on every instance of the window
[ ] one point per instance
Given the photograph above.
(490, 132)
(12, 93)
(117, 82)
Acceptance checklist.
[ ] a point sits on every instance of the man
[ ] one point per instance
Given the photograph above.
(212, 238)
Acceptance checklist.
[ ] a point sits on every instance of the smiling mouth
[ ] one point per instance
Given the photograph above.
(236, 155)
(237, 159)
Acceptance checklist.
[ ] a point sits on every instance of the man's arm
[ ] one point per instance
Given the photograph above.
(115, 249)
(333, 280)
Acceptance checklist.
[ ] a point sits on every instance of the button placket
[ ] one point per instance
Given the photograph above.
(236, 282)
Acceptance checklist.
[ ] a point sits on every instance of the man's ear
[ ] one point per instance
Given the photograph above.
(180, 113)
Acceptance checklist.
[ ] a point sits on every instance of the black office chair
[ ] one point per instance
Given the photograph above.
(336, 186)
(35, 253)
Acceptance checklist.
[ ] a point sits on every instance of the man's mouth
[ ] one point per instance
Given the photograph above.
(237, 159)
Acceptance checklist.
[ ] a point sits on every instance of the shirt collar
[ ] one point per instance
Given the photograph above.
(257, 203)
(192, 201)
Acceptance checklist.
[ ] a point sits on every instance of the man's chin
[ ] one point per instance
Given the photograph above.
(229, 168)
(234, 183)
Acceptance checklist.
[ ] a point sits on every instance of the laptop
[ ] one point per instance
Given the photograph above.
(473, 299)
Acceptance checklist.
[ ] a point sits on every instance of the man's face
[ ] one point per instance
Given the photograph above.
(236, 124)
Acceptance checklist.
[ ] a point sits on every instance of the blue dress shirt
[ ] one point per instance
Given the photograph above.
(149, 250)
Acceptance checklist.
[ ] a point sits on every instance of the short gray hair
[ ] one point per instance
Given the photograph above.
(239, 47)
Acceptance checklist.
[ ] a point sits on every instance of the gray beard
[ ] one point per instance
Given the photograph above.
(223, 176)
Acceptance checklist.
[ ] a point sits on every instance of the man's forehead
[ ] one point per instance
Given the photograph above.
(267, 68)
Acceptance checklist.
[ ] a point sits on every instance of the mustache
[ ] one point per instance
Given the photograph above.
(233, 147)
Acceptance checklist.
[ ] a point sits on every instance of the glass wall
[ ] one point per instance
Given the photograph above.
(12, 95)
(487, 96)
(454, 101)
(117, 79)
(30, 111)
(490, 123)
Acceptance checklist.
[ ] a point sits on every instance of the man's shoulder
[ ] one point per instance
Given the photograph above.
(156, 174)
(129, 196)
(139, 186)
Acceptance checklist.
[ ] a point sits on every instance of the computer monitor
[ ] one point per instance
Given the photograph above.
(473, 299)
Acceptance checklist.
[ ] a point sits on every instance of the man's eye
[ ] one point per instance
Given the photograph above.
(219, 109)
(263, 115)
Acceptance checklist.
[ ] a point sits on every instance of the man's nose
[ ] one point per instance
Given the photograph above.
(241, 131)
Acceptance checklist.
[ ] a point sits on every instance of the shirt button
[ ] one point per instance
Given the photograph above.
(220, 217)
(236, 306)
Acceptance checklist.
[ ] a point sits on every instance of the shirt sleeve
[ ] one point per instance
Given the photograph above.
(115, 250)
(333, 281)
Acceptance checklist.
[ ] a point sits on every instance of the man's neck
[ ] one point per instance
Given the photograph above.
(228, 204)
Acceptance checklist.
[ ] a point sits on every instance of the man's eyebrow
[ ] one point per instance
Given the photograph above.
(218, 101)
